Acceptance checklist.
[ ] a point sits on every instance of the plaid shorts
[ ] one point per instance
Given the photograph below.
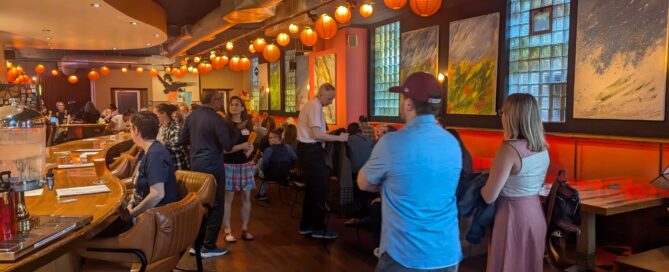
(239, 177)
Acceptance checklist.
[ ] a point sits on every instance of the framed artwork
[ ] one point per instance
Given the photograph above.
(419, 51)
(325, 72)
(472, 65)
(301, 80)
(275, 86)
(541, 20)
(620, 64)
(167, 87)
(263, 86)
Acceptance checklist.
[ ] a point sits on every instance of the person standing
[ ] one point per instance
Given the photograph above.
(208, 136)
(516, 178)
(417, 171)
(61, 113)
(311, 134)
(168, 135)
(239, 167)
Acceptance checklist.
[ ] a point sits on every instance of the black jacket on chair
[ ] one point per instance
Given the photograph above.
(471, 202)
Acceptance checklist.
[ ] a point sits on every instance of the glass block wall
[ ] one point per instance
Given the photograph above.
(538, 62)
(290, 85)
(255, 93)
(386, 69)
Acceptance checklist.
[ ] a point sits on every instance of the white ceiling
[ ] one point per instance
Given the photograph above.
(77, 25)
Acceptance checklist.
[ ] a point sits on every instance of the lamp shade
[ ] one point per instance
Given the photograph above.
(425, 8)
(308, 36)
(326, 27)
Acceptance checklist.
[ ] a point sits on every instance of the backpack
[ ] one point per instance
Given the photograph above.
(563, 217)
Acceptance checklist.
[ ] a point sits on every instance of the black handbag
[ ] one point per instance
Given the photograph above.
(563, 218)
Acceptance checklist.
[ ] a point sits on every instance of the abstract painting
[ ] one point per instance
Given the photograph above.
(302, 80)
(172, 89)
(472, 65)
(621, 49)
(325, 72)
(275, 86)
(263, 86)
(419, 51)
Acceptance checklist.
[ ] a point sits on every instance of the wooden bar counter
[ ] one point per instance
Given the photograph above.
(102, 207)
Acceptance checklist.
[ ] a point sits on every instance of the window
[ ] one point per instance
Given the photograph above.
(290, 98)
(538, 55)
(255, 93)
(386, 69)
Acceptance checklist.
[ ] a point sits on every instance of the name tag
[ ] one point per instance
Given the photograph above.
(245, 132)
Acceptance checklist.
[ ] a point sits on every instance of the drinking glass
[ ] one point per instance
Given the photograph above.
(99, 164)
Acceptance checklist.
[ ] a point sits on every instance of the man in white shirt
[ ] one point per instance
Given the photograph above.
(311, 133)
(120, 123)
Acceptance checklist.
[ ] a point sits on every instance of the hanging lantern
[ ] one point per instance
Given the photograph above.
(196, 59)
(229, 46)
(195, 72)
(153, 72)
(308, 36)
(39, 69)
(293, 28)
(72, 79)
(395, 4)
(208, 67)
(93, 75)
(12, 74)
(19, 69)
(212, 54)
(124, 70)
(183, 69)
(177, 73)
(139, 70)
(168, 70)
(425, 8)
(190, 69)
(104, 70)
(202, 68)
(234, 64)
(271, 53)
(219, 63)
(259, 44)
(282, 39)
(224, 60)
(251, 49)
(54, 72)
(326, 27)
(245, 63)
(343, 14)
(366, 10)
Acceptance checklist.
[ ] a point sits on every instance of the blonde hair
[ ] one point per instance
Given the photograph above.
(523, 121)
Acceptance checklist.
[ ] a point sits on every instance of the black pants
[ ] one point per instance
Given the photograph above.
(215, 218)
(315, 174)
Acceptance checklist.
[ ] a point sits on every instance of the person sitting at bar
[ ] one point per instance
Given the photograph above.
(154, 180)
(108, 113)
(516, 178)
(61, 113)
(88, 114)
(276, 162)
(120, 123)
(290, 137)
(168, 135)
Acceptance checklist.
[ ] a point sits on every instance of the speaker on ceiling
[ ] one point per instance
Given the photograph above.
(352, 41)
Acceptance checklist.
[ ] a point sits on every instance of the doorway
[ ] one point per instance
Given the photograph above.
(129, 99)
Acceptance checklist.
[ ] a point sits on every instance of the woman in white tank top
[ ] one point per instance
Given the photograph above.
(516, 177)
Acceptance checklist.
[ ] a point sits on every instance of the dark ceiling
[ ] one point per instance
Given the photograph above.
(184, 12)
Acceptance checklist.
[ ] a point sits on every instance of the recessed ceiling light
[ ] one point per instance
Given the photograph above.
(46, 30)
(156, 35)
(148, 44)
(96, 5)
(134, 23)
(113, 48)
(48, 38)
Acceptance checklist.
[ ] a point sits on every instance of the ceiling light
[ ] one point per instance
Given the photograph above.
(96, 5)
(48, 38)
(113, 48)
(148, 44)
(156, 35)
(134, 23)
(45, 30)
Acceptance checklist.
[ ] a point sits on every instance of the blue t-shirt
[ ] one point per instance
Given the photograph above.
(418, 169)
(156, 167)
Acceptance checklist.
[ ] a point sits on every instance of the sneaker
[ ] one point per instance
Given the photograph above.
(191, 251)
(207, 253)
(261, 197)
(323, 234)
(304, 231)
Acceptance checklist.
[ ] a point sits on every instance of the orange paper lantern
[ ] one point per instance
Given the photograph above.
(271, 53)
(308, 37)
(234, 64)
(251, 49)
(425, 8)
(343, 14)
(366, 10)
(217, 63)
(183, 69)
(19, 69)
(139, 70)
(54, 72)
(168, 70)
(224, 60)
(153, 72)
(93, 75)
(195, 72)
(104, 70)
(72, 79)
(229, 46)
(124, 70)
(201, 68)
(12, 74)
(293, 28)
(326, 27)
(177, 73)
(282, 39)
(395, 4)
(245, 63)
(39, 69)
(259, 44)
(209, 67)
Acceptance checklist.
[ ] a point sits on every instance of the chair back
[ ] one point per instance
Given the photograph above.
(121, 168)
(202, 184)
(177, 226)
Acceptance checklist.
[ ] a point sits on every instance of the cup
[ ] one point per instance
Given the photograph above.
(99, 164)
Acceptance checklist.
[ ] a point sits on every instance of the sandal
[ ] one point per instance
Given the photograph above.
(229, 238)
(247, 236)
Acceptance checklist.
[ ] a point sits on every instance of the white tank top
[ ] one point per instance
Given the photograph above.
(529, 180)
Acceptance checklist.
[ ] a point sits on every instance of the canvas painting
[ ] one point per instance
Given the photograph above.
(263, 86)
(174, 89)
(275, 86)
(472, 65)
(419, 51)
(325, 72)
(302, 80)
(620, 64)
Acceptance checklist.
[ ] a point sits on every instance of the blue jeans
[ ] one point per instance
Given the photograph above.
(388, 264)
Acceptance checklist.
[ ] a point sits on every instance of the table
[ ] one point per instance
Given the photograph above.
(101, 206)
(610, 196)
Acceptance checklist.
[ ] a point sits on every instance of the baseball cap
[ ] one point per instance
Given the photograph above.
(420, 86)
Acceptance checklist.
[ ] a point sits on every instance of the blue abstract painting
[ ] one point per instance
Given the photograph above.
(620, 66)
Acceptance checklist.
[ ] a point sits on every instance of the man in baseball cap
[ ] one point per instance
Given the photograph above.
(417, 171)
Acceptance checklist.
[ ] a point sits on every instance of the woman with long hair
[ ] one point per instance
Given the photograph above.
(290, 137)
(239, 167)
(516, 177)
(168, 135)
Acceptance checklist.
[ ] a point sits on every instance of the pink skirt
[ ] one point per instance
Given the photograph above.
(518, 236)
